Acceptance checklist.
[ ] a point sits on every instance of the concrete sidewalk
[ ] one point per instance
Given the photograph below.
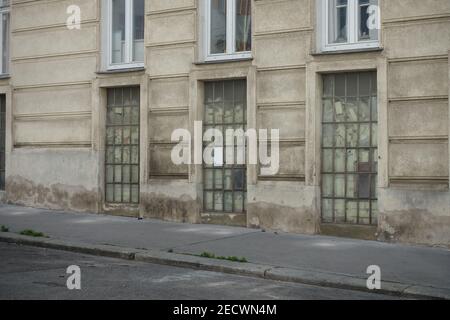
(406, 270)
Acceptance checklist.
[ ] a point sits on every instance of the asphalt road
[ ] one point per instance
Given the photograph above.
(35, 273)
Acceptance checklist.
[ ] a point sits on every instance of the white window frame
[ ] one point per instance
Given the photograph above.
(107, 55)
(230, 51)
(4, 10)
(353, 43)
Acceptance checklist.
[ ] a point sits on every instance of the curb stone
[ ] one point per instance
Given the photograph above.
(322, 279)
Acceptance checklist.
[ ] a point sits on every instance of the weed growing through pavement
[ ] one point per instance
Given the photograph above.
(32, 233)
(229, 258)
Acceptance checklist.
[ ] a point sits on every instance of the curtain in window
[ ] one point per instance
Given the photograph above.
(243, 25)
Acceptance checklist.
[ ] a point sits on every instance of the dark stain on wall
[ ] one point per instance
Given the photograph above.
(57, 196)
(282, 218)
(158, 206)
(415, 227)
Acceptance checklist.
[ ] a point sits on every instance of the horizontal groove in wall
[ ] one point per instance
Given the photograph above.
(280, 68)
(282, 31)
(284, 177)
(416, 19)
(166, 176)
(286, 141)
(162, 143)
(171, 110)
(169, 11)
(262, 108)
(281, 104)
(429, 139)
(57, 55)
(169, 76)
(423, 98)
(419, 180)
(53, 116)
(170, 44)
(421, 58)
(53, 85)
(53, 26)
(51, 145)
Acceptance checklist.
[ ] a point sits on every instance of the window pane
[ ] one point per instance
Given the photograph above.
(209, 201)
(337, 32)
(228, 202)
(118, 31)
(340, 135)
(339, 211)
(352, 211)
(243, 25)
(327, 185)
(5, 42)
(327, 210)
(138, 30)
(327, 161)
(364, 212)
(368, 20)
(328, 134)
(218, 26)
(328, 115)
(339, 186)
(238, 201)
(339, 160)
(218, 201)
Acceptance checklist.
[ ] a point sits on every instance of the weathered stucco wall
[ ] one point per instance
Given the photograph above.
(415, 206)
(56, 149)
(51, 162)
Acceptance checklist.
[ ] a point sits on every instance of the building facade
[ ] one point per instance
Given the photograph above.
(92, 90)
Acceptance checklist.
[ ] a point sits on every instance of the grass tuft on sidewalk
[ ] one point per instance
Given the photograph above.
(32, 233)
(230, 258)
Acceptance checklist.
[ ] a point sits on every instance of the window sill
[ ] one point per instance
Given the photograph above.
(222, 61)
(5, 76)
(125, 70)
(347, 51)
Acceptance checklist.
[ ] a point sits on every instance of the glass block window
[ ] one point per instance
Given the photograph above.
(122, 146)
(349, 148)
(2, 140)
(225, 185)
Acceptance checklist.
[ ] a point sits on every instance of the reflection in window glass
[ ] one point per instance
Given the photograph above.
(5, 43)
(218, 26)
(366, 13)
(138, 30)
(243, 25)
(337, 16)
(118, 31)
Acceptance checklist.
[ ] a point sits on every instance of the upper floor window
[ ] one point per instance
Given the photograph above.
(124, 28)
(349, 24)
(228, 33)
(4, 36)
